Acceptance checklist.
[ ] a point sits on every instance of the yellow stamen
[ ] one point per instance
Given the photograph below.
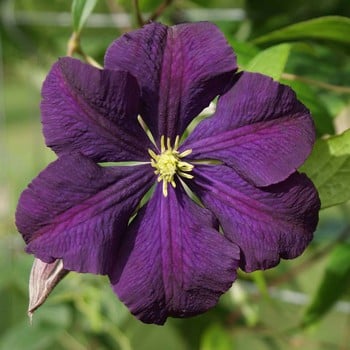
(168, 163)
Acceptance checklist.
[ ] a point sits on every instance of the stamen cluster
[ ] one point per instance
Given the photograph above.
(168, 163)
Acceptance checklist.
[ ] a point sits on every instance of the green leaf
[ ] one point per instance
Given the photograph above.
(331, 28)
(245, 51)
(216, 338)
(335, 281)
(329, 169)
(81, 10)
(35, 337)
(271, 61)
(259, 278)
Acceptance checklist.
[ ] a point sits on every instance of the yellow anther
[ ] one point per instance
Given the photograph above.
(168, 163)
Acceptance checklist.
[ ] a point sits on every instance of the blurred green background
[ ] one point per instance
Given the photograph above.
(263, 310)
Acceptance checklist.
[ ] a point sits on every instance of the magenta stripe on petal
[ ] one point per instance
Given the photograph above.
(173, 261)
(76, 211)
(267, 223)
(92, 111)
(180, 70)
(259, 129)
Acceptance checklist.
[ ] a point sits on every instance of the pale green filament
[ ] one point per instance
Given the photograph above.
(168, 163)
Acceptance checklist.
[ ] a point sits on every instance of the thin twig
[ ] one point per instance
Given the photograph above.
(159, 11)
(286, 277)
(313, 259)
(75, 47)
(138, 14)
(321, 84)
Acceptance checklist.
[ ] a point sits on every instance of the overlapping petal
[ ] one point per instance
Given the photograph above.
(76, 210)
(92, 111)
(170, 259)
(173, 261)
(260, 129)
(180, 70)
(268, 223)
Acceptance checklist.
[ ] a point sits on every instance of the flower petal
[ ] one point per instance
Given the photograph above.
(76, 211)
(180, 70)
(266, 223)
(173, 262)
(259, 129)
(92, 111)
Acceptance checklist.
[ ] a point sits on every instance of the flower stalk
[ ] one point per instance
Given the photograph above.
(320, 84)
(138, 15)
(160, 10)
(74, 46)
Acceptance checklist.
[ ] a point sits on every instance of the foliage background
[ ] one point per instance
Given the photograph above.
(301, 304)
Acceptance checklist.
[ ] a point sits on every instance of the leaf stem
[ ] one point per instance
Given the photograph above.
(312, 260)
(321, 84)
(138, 14)
(74, 46)
(159, 10)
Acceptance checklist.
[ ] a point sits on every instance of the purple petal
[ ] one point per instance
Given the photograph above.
(259, 129)
(76, 211)
(173, 262)
(92, 111)
(180, 70)
(266, 223)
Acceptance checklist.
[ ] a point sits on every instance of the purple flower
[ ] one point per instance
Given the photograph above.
(168, 258)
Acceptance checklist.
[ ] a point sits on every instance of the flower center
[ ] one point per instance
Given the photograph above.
(168, 163)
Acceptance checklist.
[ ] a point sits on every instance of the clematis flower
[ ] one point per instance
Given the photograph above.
(227, 197)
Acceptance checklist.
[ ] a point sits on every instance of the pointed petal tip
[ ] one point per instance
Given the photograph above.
(44, 277)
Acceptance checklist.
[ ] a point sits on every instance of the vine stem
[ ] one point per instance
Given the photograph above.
(321, 84)
(312, 260)
(154, 15)
(74, 46)
(138, 14)
(159, 10)
(236, 314)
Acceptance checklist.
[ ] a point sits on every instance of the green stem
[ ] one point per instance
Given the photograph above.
(74, 46)
(73, 43)
(286, 277)
(138, 14)
(335, 88)
(159, 11)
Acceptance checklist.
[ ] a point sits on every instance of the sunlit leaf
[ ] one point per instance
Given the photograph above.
(335, 282)
(329, 169)
(245, 51)
(81, 10)
(330, 28)
(271, 61)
